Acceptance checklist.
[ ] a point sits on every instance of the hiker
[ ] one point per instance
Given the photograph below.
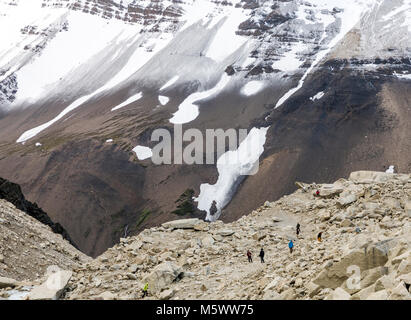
(298, 229)
(145, 291)
(250, 258)
(319, 237)
(262, 255)
(291, 246)
(213, 208)
(317, 193)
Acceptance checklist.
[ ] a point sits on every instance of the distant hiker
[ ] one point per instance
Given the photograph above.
(317, 193)
(319, 237)
(262, 255)
(145, 291)
(250, 258)
(213, 208)
(291, 246)
(357, 230)
(298, 229)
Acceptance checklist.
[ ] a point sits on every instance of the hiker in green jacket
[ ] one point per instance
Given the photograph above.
(145, 292)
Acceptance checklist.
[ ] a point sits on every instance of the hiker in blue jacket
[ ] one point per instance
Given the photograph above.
(291, 246)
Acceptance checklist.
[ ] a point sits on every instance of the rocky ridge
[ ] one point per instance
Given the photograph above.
(364, 254)
(28, 250)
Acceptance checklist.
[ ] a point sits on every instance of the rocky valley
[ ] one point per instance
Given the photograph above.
(85, 83)
(364, 254)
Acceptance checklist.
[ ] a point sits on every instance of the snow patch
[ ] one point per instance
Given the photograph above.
(402, 76)
(130, 100)
(252, 87)
(143, 152)
(231, 166)
(188, 110)
(226, 41)
(318, 96)
(163, 100)
(290, 61)
(169, 83)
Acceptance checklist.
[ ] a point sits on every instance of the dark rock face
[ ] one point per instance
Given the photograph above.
(361, 123)
(12, 192)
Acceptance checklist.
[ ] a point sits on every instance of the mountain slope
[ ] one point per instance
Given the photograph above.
(364, 253)
(85, 82)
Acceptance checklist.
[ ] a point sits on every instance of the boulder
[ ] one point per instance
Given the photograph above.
(379, 295)
(346, 223)
(162, 276)
(225, 232)
(339, 294)
(346, 199)
(166, 294)
(7, 283)
(386, 282)
(364, 293)
(407, 207)
(405, 265)
(313, 289)
(370, 177)
(368, 277)
(53, 287)
(207, 241)
(324, 214)
(182, 224)
(202, 226)
(370, 257)
(400, 292)
(329, 190)
(106, 295)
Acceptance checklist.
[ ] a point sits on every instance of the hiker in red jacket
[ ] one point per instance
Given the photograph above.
(250, 259)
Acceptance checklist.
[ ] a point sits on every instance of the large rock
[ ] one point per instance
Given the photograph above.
(339, 294)
(370, 257)
(182, 224)
(162, 276)
(370, 177)
(207, 241)
(346, 199)
(7, 283)
(405, 265)
(53, 288)
(330, 190)
(407, 207)
(225, 232)
(379, 295)
(364, 293)
(400, 293)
